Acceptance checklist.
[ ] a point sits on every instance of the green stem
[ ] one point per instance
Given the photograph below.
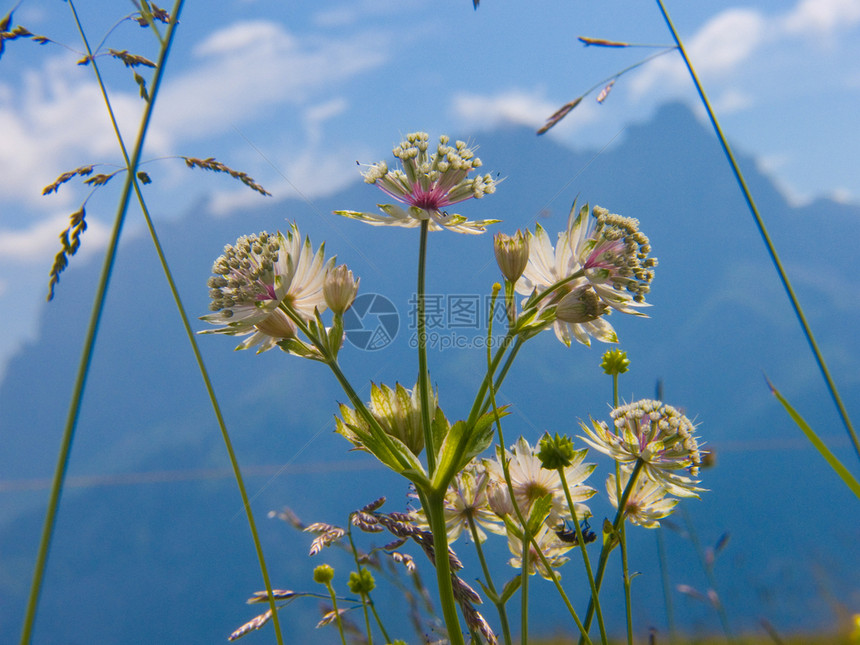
(500, 606)
(560, 589)
(365, 600)
(234, 463)
(625, 567)
(89, 343)
(433, 503)
(604, 552)
(582, 547)
(423, 380)
(524, 575)
(771, 249)
(336, 612)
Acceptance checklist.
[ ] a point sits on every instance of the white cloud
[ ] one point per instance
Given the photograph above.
(821, 17)
(39, 243)
(52, 122)
(515, 106)
(727, 40)
(252, 67)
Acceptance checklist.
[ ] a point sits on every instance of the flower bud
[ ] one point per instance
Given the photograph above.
(512, 254)
(339, 289)
(615, 362)
(361, 582)
(323, 574)
(555, 452)
(499, 499)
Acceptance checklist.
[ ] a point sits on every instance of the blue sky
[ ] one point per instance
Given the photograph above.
(294, 93)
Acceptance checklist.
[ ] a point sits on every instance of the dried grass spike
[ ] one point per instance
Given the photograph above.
(252, 625)
(130, 60)
(277, 594)
(101, 179)
(605, 91)
(559, 114)
(375, 505)
(216, 166)
(83, 171)
(601, 42)
(329, 617)
(150, 11)
(70, 239)
(141, 83)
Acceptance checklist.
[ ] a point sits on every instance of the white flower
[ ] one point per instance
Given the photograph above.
(260, 278)
(427, 185)
(657, 434)
(467, 498)
(647, 503)
(530, 482)
(552, 547)
(601, 262)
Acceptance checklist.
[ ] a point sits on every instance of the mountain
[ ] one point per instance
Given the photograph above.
(151, 542)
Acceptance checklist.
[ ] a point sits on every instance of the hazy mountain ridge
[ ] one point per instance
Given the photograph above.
(719, 319)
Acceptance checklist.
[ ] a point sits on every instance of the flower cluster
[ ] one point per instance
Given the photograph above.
(264, 286)
(599, 263)
(427, 184)
(658, 435)
(479, 497)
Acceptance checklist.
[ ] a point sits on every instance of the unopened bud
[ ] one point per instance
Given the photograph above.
(339, 289)
(512, 254)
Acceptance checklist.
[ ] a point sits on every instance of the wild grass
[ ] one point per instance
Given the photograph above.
(452, 483)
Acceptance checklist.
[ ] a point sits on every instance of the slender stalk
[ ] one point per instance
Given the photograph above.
(524, 574)
(771, 249)
(604, 552)
(196, 350)
(89, 341)
(434, 508)
(423, 380)
(560, 589)
(368, 600)
(500, 606)
(333, 597)
(625, 567)
(581, 540)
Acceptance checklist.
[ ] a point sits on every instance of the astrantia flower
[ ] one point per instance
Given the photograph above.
(613, 252)
(397, 410)
(257, 279)
(531, 481)
(552, 547)
(603, 262)
(467, 497)
(647, 503)
(427, 184)
(656, 433)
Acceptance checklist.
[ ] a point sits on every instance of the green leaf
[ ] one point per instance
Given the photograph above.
(816, 441)
(492, 597)
(510, 588)
(540, 511)
(611, 538)
(461, 445)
